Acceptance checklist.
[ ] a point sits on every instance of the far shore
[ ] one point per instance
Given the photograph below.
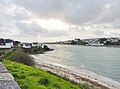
(81, 76)
(114, 46)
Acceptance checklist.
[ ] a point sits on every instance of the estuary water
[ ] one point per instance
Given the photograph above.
(104, 61)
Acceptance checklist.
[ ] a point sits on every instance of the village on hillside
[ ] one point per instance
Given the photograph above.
(90, 42)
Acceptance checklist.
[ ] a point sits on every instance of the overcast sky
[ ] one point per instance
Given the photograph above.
(52, 20)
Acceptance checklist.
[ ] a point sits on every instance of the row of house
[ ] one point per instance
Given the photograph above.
(8, 43)
(103, 41)
(29, 45)
(94, 41)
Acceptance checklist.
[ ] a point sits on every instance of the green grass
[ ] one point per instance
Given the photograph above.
(32, 78)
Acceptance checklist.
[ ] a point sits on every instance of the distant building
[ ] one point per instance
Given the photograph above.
(114, 39)
(6, 43)
(87, 40)
(77, 40)
(26, 45)
(16, 43)
(2, 43)
(68, 42)
(36, 44)
(95, 44)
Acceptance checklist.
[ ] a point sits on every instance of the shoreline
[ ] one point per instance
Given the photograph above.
(79, 77)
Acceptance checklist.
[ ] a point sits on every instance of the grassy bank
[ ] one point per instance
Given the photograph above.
(32, 78)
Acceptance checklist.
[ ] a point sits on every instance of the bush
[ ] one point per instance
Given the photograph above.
(44, 81)
(2, 53)
(23, 58)
(34, 50)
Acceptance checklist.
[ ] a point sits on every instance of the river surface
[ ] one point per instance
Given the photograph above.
(104, 61)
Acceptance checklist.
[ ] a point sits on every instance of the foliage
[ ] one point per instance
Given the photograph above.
(44, 81)
(21, 57)
(2, 53)
(11, 54)
(34, 50)
(37, 50)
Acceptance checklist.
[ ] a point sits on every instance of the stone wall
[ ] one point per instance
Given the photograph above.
(6, 79)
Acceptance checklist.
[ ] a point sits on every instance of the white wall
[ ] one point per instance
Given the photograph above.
(8, 45)
(2, 46)
(24, 46)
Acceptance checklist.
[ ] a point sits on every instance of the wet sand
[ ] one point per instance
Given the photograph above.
(80, 76)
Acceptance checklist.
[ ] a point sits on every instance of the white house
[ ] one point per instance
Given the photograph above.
(6, 43)
(35, 44)
(26, 45)
(2, 46)
(114, 39)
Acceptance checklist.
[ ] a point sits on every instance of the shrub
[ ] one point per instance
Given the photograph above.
(23, 58)
(34, 50)
(15, 75)
(44, 81)
(2, 53)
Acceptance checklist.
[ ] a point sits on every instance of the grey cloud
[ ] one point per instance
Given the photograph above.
(6, 14)
(21, 14)
(101, 14)
(34, 29)
(0, 25)
(99, 33)
(30, 29)
(77, 29)
(115, 34)
(116, 25)
(71, 11)
(77, 12)
(6, 20)
(1, 30)
(56, 33)
(110, 12)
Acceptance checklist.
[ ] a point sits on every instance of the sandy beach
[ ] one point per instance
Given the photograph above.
(80, 76)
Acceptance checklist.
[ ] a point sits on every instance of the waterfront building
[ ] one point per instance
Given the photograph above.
(6, 43)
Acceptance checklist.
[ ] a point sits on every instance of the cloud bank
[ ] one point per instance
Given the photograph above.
(28, 19)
